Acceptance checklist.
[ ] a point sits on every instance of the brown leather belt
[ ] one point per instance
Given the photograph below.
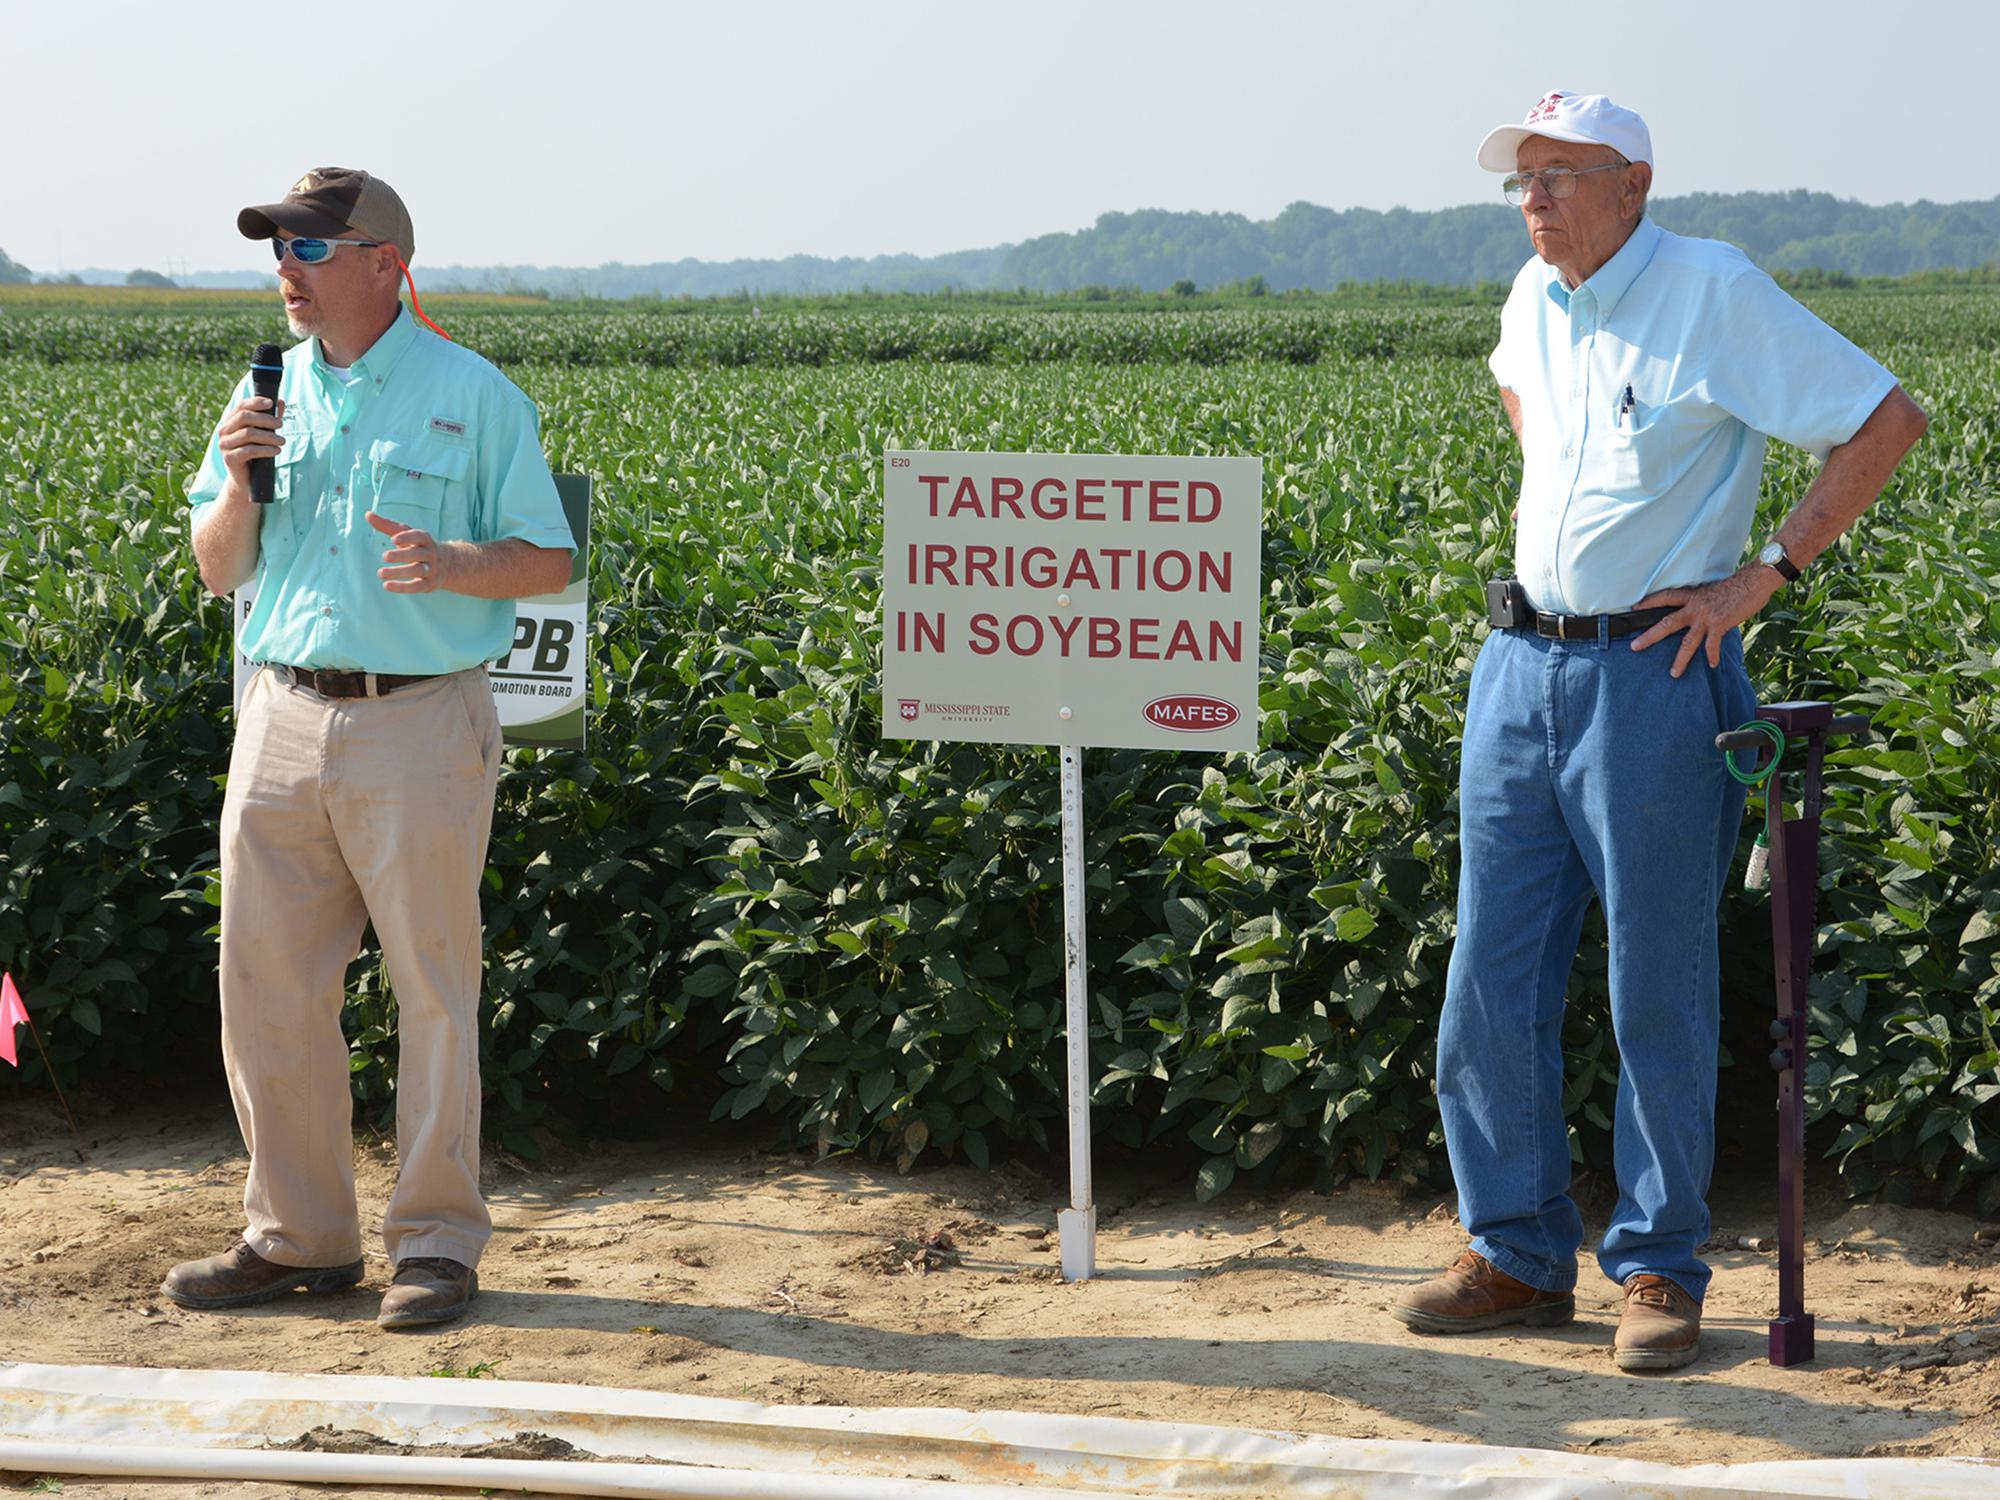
(330, 683)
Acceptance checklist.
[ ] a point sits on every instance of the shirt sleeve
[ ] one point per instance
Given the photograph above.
(1505, 355)
(517, 494)
(204, 485)
(1781, 371)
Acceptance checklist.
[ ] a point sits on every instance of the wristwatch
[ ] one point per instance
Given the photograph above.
(1773, 555)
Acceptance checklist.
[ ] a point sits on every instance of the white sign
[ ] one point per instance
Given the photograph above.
(1074, 599)
(543, 673)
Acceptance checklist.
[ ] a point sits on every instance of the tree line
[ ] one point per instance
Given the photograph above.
(1305, 247)
(1309, 247)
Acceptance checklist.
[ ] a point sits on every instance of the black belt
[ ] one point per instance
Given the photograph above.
(330, 683)
(1587, 627)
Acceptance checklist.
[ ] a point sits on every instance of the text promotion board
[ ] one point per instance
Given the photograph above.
(1072, 600)
(540, 687)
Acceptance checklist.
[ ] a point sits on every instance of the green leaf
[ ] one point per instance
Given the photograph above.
(1216, 1174)
(1354, 924)
(876, 1087)
(1187, 919)
(1243, 1010)
(83, 1010)
(1258, 1142)
(706, 983)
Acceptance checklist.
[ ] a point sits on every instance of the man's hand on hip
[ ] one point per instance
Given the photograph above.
(414, 564)
(1708, 613)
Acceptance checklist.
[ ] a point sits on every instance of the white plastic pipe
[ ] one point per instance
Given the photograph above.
(554, 1476)
(217, 1424)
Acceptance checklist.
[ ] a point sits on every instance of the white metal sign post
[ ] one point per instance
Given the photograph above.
(1072, 600)
(1076, 1226)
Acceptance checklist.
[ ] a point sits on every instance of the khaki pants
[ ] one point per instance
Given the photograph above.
(339, 812)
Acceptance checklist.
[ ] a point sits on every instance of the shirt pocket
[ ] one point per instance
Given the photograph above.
(424, 483)
(1646, 448)
(278, 532)
(285, 467)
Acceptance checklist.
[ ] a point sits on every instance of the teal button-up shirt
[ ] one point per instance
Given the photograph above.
(1647, 394)
(423, 431)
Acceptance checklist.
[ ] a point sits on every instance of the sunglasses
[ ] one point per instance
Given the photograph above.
(311, 252)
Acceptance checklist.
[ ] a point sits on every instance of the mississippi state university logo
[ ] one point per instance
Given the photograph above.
(907, 708)
(1191, 713)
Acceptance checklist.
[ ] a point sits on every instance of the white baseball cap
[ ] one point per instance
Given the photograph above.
(1587, 119)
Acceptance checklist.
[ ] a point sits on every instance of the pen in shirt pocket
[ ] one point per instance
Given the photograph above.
(1625, 404)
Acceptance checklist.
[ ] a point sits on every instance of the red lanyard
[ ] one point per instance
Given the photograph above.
(418, 306)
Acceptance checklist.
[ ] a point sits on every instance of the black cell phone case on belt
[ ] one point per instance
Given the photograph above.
(1507, 608)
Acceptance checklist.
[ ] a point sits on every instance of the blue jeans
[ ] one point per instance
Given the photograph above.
(1588, 769)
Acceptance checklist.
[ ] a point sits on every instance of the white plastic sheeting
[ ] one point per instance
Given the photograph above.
(232, 1425)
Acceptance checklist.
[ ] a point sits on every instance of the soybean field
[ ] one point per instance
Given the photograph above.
(741, 900)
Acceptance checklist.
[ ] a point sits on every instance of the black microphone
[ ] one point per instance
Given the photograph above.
(267, 366)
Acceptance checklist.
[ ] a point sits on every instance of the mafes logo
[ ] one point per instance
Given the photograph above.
(1191, 713)
(907, 707)
(1544, 109)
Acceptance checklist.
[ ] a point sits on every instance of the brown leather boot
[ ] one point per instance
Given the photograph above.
(240, 1277)
(428, 1289)
(1660, 1328)
(1474, 1293)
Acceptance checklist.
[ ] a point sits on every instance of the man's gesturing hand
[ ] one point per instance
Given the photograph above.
(414, 564)
(1709, 613)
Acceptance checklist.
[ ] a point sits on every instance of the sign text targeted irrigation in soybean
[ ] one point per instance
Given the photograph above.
(1036, 598)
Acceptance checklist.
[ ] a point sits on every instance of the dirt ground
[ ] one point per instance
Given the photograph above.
(721, 1268)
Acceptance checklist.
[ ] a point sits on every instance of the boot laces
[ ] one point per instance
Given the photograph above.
(1652, 1291)
(429, 1266)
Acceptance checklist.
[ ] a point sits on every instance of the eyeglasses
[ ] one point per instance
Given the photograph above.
(1557, 182)
(312, 252)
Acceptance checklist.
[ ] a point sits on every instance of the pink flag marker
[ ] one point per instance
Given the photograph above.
(12, 1013)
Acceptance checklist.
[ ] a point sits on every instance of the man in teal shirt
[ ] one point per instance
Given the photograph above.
(411, 506)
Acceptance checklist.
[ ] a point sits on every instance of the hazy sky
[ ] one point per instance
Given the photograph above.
(584, 131)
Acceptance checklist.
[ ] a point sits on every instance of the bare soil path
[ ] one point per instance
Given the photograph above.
(718, 1268)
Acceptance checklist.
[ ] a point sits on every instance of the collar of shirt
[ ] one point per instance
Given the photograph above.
(382, 357)
(1607, 288)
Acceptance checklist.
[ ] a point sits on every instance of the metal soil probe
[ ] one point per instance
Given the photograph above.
(1793, 848)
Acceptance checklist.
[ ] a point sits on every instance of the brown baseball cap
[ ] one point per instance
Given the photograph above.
(335, 203)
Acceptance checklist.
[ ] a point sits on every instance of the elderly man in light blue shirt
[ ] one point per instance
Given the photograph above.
(410, 504)
(1643, 373)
